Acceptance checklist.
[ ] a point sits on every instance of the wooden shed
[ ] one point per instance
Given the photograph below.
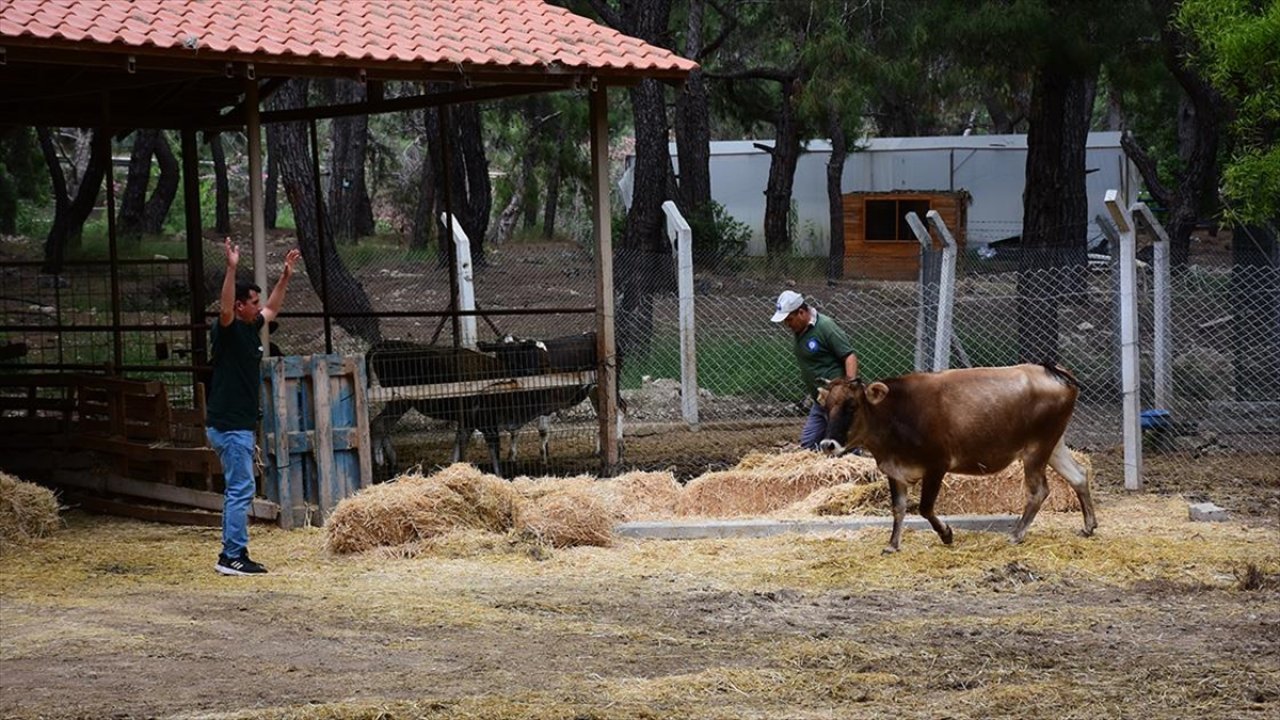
(878, 243)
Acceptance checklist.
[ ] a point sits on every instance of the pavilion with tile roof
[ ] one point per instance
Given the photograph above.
(194, 65)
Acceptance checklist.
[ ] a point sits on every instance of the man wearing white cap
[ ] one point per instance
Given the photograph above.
(823, 352)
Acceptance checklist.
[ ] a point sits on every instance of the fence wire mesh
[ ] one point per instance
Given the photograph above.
(1223, 358)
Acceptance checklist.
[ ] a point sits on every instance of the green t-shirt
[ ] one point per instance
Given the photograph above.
(820, 351)
(237, 359)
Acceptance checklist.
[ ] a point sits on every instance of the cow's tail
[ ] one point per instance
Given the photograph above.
(1062, 374)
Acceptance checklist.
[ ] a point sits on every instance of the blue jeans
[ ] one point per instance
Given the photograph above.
(235, 450)
(815, 428)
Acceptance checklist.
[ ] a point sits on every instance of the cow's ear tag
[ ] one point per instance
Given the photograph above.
(822, 396)
(876, 392)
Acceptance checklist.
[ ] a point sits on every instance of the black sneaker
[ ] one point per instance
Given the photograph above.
(238, 566)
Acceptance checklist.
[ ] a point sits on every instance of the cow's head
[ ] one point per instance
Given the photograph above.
(846, 403)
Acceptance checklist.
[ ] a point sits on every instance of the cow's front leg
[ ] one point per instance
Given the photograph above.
(544, 438)
(898, 493)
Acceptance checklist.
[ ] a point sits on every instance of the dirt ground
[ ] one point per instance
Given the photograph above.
(1155, 616)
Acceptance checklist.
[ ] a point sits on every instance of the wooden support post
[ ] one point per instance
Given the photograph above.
(257, 212)
(606, 350)
(923, 298)
(1160, 332)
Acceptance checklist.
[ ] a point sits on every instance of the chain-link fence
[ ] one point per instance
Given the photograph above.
(1009, 304)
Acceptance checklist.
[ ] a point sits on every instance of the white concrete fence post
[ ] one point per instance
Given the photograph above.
(681, 237)
(466, 299)
(1129, 380)
(946, 293)
(922, 314)
(1160, 331)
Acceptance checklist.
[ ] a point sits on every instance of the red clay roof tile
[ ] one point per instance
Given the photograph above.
(493, 34)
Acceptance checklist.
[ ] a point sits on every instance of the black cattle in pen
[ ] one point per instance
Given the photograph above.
(402, 363)
(398, 363)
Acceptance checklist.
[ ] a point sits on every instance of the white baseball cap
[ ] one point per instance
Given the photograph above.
(788, 302)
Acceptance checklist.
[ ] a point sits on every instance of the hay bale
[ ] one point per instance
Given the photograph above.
(763, 483)
(640, 495)
(407, 509)
(869, 498)
(567, 518)
(495, 502)
(27, 511)
(532, 488)
(1004, 492)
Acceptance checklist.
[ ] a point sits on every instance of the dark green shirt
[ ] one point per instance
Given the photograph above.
(237, 358)
(820, 352)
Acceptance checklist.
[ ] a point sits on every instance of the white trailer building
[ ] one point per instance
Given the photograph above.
(991, 168)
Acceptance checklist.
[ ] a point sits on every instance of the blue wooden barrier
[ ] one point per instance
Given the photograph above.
(316, 434)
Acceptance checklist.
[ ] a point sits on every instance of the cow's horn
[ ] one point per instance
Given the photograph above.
(826, 382)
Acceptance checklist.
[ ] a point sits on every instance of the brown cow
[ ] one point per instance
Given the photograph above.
(975, 421)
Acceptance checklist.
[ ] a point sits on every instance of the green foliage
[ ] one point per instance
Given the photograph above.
(94, 245)
(1236, 46)
(717, 236)
(384, 251)
(24, 181)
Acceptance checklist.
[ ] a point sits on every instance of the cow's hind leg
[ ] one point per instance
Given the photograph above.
(929, 488)
(1037, 489)
(1079, 480)
(898, 493)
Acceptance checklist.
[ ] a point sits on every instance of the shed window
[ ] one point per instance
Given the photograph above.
(887, 222)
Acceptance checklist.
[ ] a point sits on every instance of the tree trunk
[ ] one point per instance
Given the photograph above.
(1201, 114)
(835, 191)
(552, 200)
(782, 172)
(134, 197)
(424, 225)
(640, 266)
(344, 291)
(222, 188)
(349, 206)
(1055, 208)
(70, 213)
(470, 193)
(156, 210)
(643, 256)
(534, 108)
(693, 125)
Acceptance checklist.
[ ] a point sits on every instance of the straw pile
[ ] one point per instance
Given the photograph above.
(997, 494)
(763, 483)
(568, 517)
(1004, 492)
(414, 507)
(27, 511)
(640, 495)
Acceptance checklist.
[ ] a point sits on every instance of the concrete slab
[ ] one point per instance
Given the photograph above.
(1207, 512)
(759, 527)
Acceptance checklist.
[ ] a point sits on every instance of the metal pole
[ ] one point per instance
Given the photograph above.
(195, 247)
(113, 247)
(447, 234)
(320, 239)
(256, 208)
